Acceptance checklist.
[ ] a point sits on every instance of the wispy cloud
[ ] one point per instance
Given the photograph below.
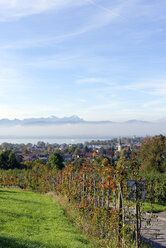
(97, 80)
(15, 9)
(151, 86)
(160, 110)
(107, 106)
(81, 100)
(97, 18)
(152, 103)
(15, 110)
(54, 61)
(91, 80)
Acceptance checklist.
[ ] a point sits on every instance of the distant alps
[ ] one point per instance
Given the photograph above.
(42, 121)
(74, 126)
(53, 120)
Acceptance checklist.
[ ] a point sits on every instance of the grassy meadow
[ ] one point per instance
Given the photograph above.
(154, 207)
(30, 220)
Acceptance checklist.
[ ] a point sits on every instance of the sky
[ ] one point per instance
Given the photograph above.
(98, 59)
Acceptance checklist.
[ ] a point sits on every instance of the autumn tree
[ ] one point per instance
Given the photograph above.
(152, 154)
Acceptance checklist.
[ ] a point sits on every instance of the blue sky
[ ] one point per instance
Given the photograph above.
(98, 59)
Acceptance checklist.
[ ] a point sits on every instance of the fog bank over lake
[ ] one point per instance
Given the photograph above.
(82, 130)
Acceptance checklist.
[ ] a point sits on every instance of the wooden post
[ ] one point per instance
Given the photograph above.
(95, 191)
(114, 193)
(103, 200)
(137, 216)
(108, 198)
(120, 224)
(90, 189)
(69, 186)
(83, 187)
(86, 188)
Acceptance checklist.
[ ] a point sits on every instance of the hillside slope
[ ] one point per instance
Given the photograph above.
(30, 220)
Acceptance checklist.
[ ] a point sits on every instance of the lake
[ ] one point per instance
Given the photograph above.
(50, 140)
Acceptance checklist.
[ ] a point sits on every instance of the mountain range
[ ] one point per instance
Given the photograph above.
(41, 121)
(53, 120)
(75, 126)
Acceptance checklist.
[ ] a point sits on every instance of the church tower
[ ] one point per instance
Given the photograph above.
(120, 145)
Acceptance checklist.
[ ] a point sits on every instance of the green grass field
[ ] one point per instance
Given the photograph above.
(150, 207)
(154, 208)
(30, 220)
